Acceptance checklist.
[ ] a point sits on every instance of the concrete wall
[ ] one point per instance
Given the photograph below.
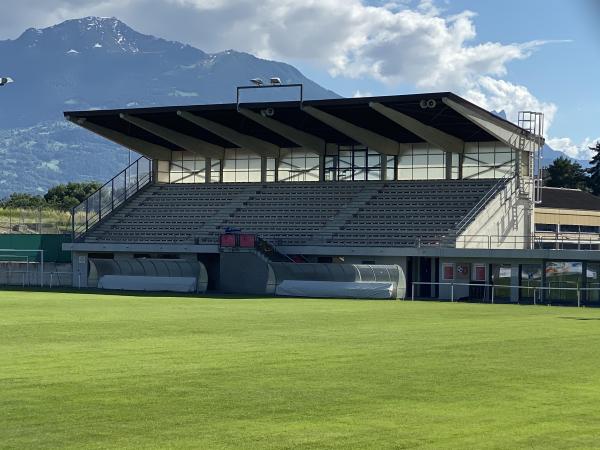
(245, 273)
(505, 223)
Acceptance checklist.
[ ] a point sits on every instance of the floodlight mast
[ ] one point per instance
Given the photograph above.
(275, 82)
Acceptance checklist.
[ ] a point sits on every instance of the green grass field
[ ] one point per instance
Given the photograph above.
(106, 371)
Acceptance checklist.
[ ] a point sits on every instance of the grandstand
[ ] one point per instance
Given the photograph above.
(428, 183)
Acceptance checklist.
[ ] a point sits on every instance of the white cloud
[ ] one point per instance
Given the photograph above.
(572, 149)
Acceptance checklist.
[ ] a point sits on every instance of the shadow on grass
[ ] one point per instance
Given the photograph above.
(580, 318)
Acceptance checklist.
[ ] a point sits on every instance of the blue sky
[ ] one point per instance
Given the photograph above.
(510, 55)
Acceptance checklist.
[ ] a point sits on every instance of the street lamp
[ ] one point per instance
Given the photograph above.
(5, 80)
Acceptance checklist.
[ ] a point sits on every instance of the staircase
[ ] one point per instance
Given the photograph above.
(334, 225)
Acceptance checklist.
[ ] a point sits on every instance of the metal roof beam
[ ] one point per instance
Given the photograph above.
(505, 132)
(184, 141)
(307, 141)
(250, 143)
(435, 137)
(140, 146)
(366, 137)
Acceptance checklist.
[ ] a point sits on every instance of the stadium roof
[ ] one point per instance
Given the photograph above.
(385, 123)
(562, 198)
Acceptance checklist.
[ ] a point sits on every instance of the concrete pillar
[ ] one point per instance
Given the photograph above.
(514, 281)
(207, 169)
(448, 158)
(263, 169)
(321, 167)
(383, 162)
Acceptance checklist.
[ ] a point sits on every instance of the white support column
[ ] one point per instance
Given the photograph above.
(186, 142)
(308, 141)
(435, 137)
(366, 137)
(504, 131)
(259, 146)
(141, 146)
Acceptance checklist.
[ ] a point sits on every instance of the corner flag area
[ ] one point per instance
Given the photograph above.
(80, 370)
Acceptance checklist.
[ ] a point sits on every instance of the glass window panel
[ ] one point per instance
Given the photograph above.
(420, 160)
(419, 173)
(405, 174)
(503, 158)
(374, 174)
(254, 164)
(470, 161)
(436, 159)
(374, 160)
(470, 172)
(486, 159)
(563, 274)
(228, 177)
(436, 173)
(312, 162)
(359, 160)
(359, 174)
(546, 227)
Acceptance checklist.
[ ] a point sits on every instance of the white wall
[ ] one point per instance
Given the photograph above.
(505, 223)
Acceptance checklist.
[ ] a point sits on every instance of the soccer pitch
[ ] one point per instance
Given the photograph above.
(114, 371)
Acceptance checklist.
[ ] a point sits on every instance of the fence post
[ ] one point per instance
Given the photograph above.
(493, 287)
(452, 292)
(578, 297)
(412, 292)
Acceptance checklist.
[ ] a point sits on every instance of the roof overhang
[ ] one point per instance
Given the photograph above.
(442, 119)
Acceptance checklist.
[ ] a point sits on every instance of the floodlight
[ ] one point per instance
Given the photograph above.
(5, 80)
(257, 81)
(275, 80)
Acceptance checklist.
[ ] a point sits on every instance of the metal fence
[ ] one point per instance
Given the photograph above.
(539, 294)
(34, 221)
(35, 278)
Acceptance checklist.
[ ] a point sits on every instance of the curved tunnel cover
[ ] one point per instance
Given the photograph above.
(160, 274)
(349, 273)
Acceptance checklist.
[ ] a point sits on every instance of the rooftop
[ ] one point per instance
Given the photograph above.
(563, 198)
(456, 118)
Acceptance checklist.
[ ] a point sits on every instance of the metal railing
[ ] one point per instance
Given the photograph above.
(30, 278)
(468, 218)
(489, 294)
(110, 196)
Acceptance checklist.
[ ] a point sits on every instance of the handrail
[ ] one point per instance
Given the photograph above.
(269, 250)
(467, 218)
(100, 204)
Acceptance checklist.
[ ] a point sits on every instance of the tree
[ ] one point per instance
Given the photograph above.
(566, 173)
(23, 201)
(594, 170)
(67, 196)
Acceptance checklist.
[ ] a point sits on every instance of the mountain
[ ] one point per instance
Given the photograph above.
(95, 63)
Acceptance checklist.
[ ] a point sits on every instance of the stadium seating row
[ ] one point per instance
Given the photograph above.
(398, 213)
